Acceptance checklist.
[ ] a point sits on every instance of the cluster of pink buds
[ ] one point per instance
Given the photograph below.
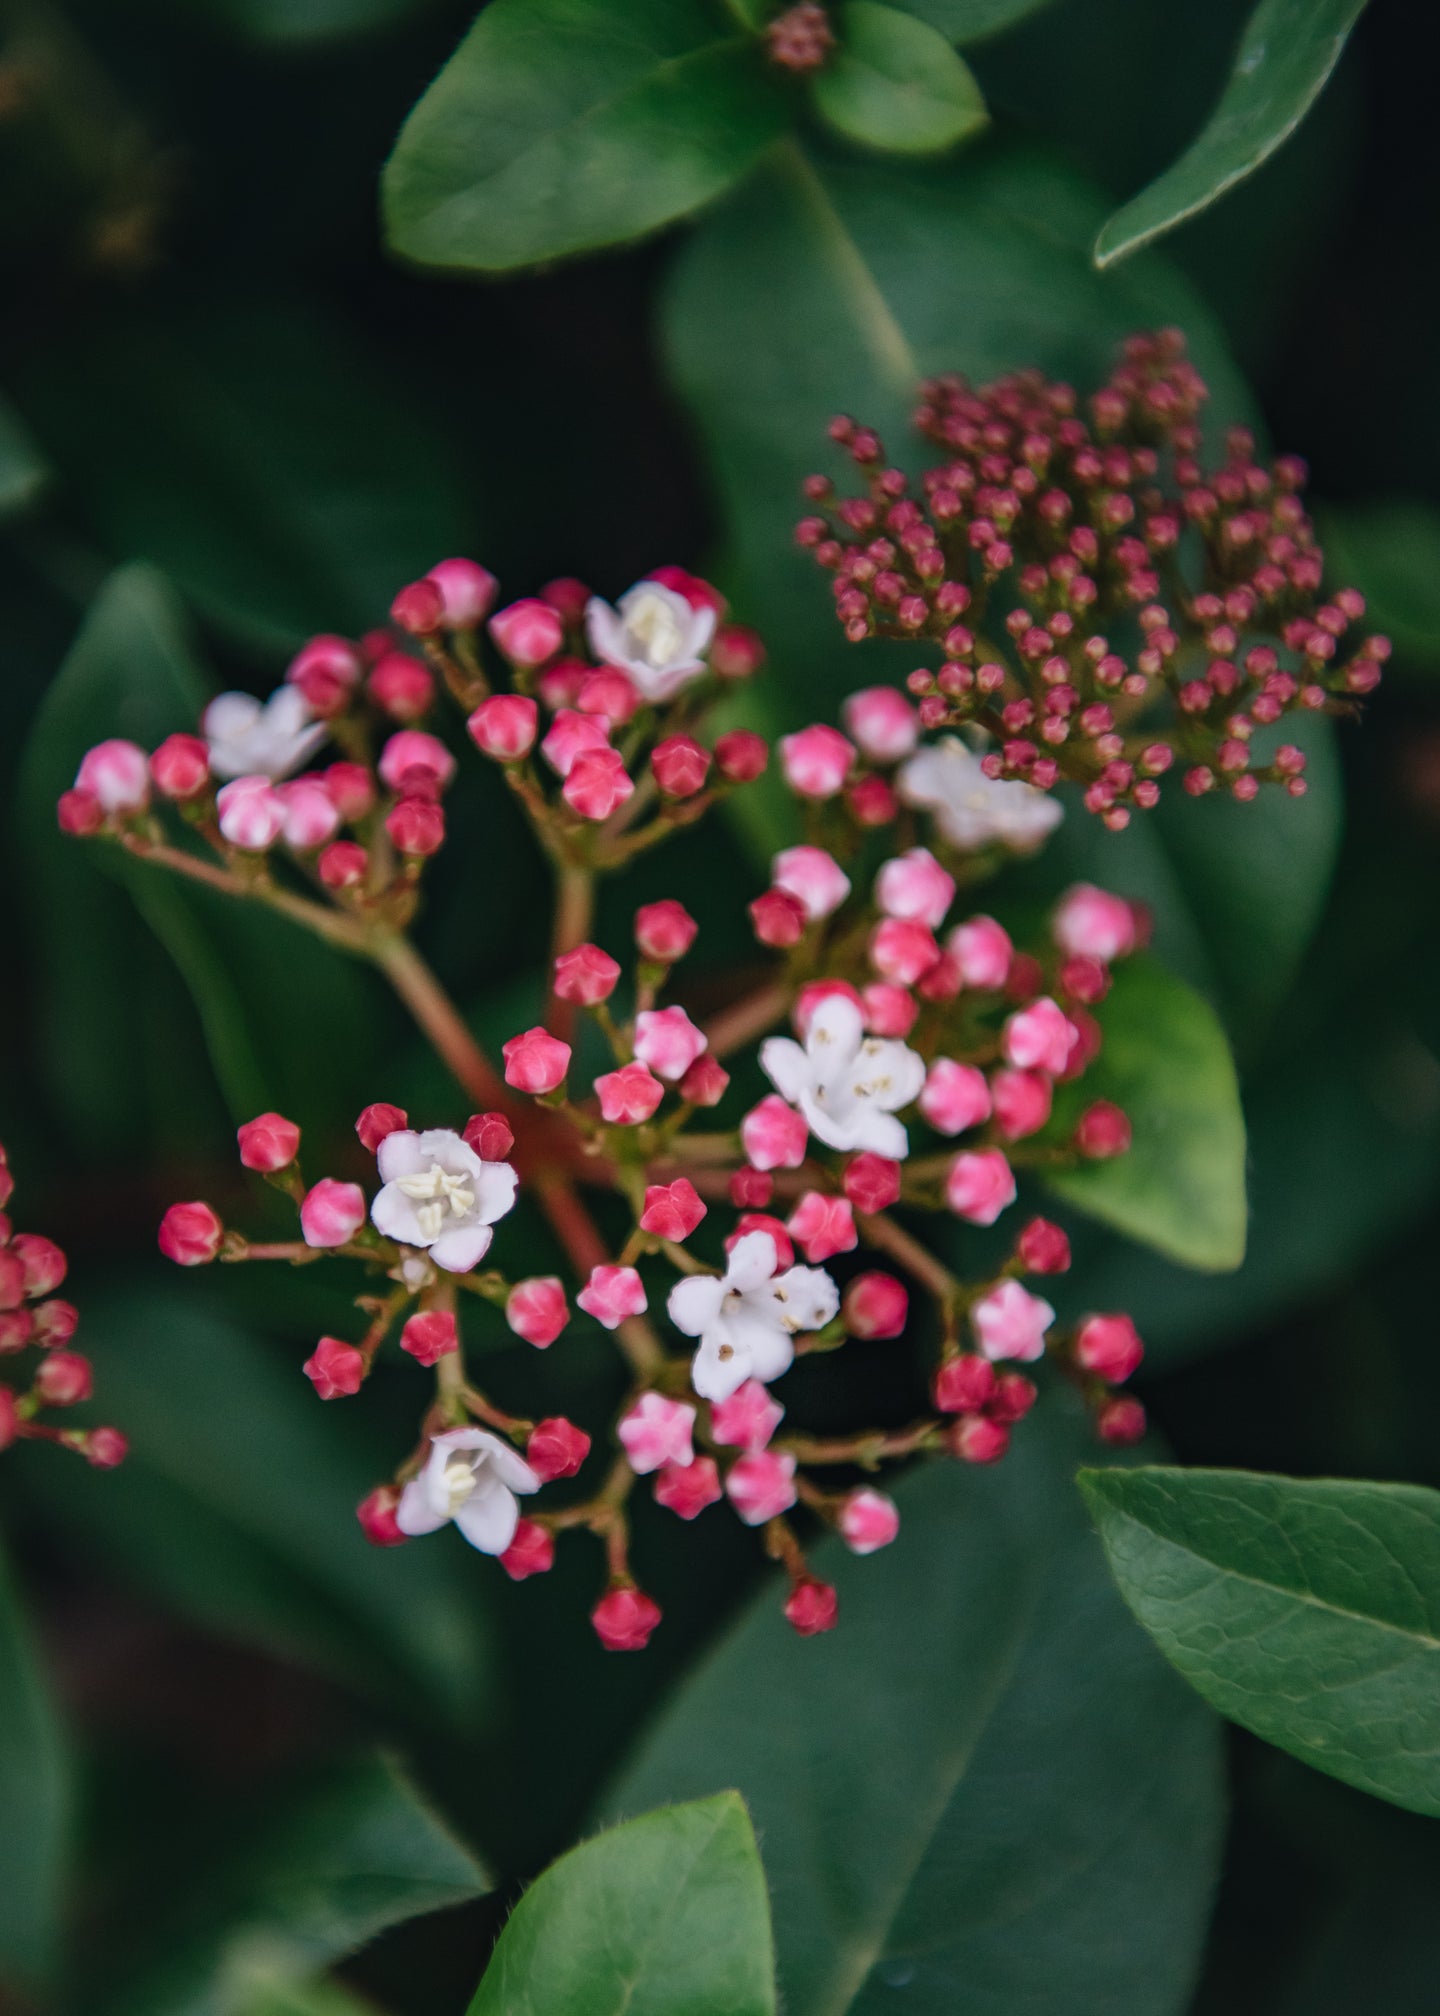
(33, 1316)
(1104, 607)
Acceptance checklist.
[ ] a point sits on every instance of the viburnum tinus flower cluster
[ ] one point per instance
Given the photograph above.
(912, 1051)
(34, 1318)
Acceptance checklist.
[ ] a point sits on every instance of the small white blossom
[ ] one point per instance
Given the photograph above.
(970, 808)
(653, 635)
(747, 1322)
(439, 1194)
(470, 1476)
(260, 738)
(849, 1086)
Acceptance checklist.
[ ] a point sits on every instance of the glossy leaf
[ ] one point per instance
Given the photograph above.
(562, 125)
(1306, 1610)
(664, 1916)
(1287, 51)
(1390, 551)
(972, 20)
(984, 1789)
(1166, 1063)
(34, 1799)
(22, 468)
(896, 84)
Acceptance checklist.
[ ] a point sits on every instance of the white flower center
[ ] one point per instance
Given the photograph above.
(459, 1479)
(653, 625)
(432, 1191)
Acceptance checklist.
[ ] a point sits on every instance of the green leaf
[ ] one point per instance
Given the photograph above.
(262, 1995)
(665, 1916)
(971, 20)
(896, 84)
(562, 125)
(1390, 551)
(306, 24)
(23, 473)
(1287, 51)
(34, 1799)
(1306, 1610)
(984, 1789)
(1166, 1062)
(334, 1866)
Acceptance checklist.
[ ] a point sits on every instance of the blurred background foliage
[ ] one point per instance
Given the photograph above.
(227, 419)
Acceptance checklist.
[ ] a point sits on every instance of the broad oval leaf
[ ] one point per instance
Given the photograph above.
(1288, 50)
(34, 1799)
(972, 20)
(562, 125)
(896, 84)
(984, 1789)
(664, 1916)
(1165, 1061)
(1306, 1610)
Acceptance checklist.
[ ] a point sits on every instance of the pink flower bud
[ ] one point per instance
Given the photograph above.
(17, 1326)
(343, 865)
(629, 1095)
(742, 756)
(816, 761)
(914, 886)
(335, 1369)
(889, 1010)
(561, 684)
(699, 593)
(105, 1448)
(527, 632)
(42, 1263)
(180, 767)
(490, 1135)
(190, 1234)
(774, 1135)
(705, 1083)
(681, 766)
(409, 750)
(668, 1041)
(376, 1513)
(64, 1379)
(1120, 1421)
(352, 790)
(9, 1419)
(332, 1212)
(672, 1210)
(1103, 1131)
(1014, 1396)
(664, 931)
(810, 997)
(964, 1385)
(872, 1182)
(1022, 1101)
(868, 1521)
(1109, 1346)
(116, 775)
(779, 919)
(1043, 1248)
(760, 1221)
(983, 949)
(537, 1310)
(902, 951)
(736, 651)
(597, 784)
(655, 1431)
(611, 1294)
(586, 975)
(401, 687)
(419, 609)
(268, 1143)
(1040, 1037)
(79, 814)
(687, 1488)
(379, 1121)
(978, 1439)
(751, 1187)
(430, 1335)
(467, 592)
(505, 726)
(570, 737)
(761, 1485)
(556, 1448)
(1010, 1322)
(624, 1619)
(531, 1552)
(814, 877)
(55, 1323)
(250, 813)
(980, 1186)
(609, 692)
(823, 1225)
(311, 817)
(325, 670)
(954, 1096)
(1093, 924)
(417, 827)
(871, 801)
(883, 723)
(812, 1607)
(12, 1285)
(535, 1061)
(747, 1419)
(875, 1305)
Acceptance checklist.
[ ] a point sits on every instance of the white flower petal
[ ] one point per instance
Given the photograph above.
(753, 1259)
(808, 1298)
(715, 1377)
(495, 1188)
(892, 1070)
(489, 1516)
(786, 1066)
(604, 630)
(230, 715)
(878, 1132)
(772, 1356)
(393, 1213)
(836, 1031)
(415, 1514)
(401, 1154)
(459, 1247)
(694, 1303)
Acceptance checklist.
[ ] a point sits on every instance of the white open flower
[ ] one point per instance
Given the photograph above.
(747, 1322)
(439, 1194)
(260, 738)
(470, 1476)
(848, 1085)
(970, 808)
(654, 635)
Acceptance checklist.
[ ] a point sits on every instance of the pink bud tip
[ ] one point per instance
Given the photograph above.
(416, 765)
(378, 1121)
(537, 1310)
(401, 687)
(64, 1379)
(868, 1521)
(816, 761)
(556, 1448)
(1093, 924)
(774, 1135)
(527, 632)
(823, 1225)
(779, 919)
(1109, 1346)
(654, 1431)
(965, 1384)
(598, 784)
(190, 1234)
(335, 1369)
(1103, 1131)
(883, 723)
(1043, 1248)
(105, 1448)
(250, 813)
(536, 1061)
(1022, 1101)
(984, 952)
(586, 975)
(954, 1096)
(667, 1041)
(914, 886)
(812, 1607)
(1014, 1396)
(687, 1488)
(747, 1419)
(505, 726)
(430, 1335)
(610, 693)
(79, 814)
(1121, 1421)
(531, 1552)
(761, 1485)
(980, 1186)
(736, 652)
(742, 756)
(332, 1212)
(419, 609)
(978, 1439)
(628, 1096)
(567, 597)
(751, 1189)
(376, 1514)
(760, 1221)
(467, 592)
(1010, 1322)
(42, 1262)
(9, 1419)
(490, 1135)
(343, 865)
(611, 1294)
(813, 877)
(902, 951)
(352, 789)
(875, 1305)
(624, 1620)
(672, 1210)
(681, 766)
(705, 1083)
(55, 1322)
(268, 1143)
(180, 767)
(664, 931)
(117, 775)
(872, 1183)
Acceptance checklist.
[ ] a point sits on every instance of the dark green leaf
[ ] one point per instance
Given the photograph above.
(304, 24)
(562, 125)
(260, 1994)
(1308, 1611)
(22, 469)
(34, 1799)
(1167, 1064)
(896, 84)
(1390, 551)
(971, 20)
(1288, 50)
(983, 1789)
(665, 1916)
